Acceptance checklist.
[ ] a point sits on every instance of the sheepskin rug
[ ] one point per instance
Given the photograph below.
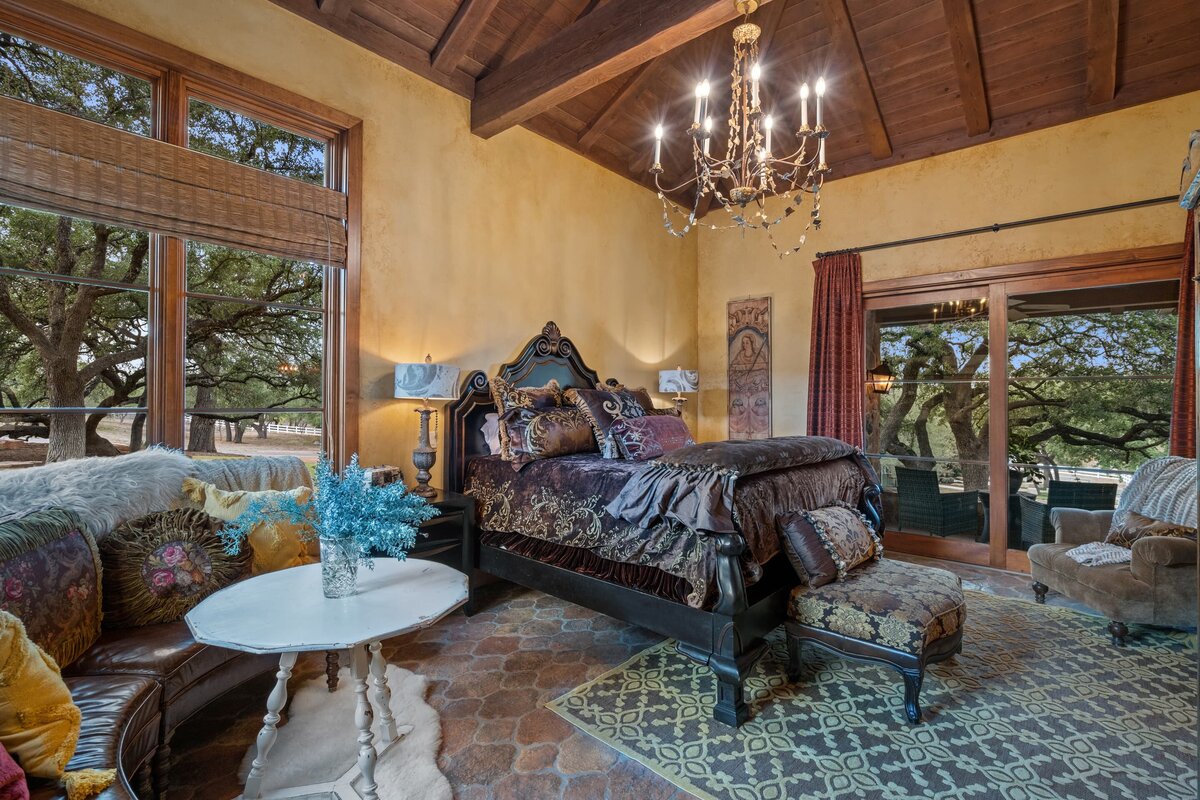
(104, 492)
(318, 743)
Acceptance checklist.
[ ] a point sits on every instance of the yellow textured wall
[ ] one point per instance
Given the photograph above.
(469, 246)
(1115, 158)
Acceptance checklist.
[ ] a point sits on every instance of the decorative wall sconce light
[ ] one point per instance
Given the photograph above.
(881, 378)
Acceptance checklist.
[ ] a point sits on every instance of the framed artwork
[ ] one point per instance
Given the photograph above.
(749, 345)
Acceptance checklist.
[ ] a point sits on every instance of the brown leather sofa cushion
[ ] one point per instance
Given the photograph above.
(191, 674)
(120, 728)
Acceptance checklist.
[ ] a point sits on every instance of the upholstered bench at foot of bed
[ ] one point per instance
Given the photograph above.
(890, 612)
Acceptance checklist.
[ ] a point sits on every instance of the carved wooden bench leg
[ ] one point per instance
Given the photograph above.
(913, 678)
(1039, 591)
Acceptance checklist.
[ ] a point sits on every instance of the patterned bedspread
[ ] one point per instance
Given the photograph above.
(562, 501)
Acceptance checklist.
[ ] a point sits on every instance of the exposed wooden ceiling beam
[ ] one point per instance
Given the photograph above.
(335, 8)
(589, 8)
(637, 81)
(964, 44)
(1102, 32)
(382, 42)
(611, 40)
(862, 94)
(461, 33)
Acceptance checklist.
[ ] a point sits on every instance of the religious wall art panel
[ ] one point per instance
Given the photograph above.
(749, 343)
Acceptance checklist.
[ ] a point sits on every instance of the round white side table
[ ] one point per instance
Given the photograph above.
(286, 612)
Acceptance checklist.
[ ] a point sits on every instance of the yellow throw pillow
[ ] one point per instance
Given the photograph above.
(275, 545)
(39, 725)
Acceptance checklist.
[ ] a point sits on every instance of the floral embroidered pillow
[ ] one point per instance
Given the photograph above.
(158, 567)
(644, 438)
(507, 397)
(546, 433)
(846, 536)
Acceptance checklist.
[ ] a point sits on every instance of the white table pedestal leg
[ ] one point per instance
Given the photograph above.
(383, 694)
(363, 718)
(266, 737)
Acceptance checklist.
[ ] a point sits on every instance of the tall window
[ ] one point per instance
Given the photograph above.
(112, 338)
(73, 293)
(255, 323)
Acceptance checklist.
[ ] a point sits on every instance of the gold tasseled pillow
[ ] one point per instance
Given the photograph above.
(39, 725)
(507, 397)
(275, 545)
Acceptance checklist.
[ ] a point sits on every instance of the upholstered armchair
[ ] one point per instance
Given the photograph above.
(1159, 586)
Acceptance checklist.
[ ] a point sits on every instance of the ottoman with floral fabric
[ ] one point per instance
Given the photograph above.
(886, 612)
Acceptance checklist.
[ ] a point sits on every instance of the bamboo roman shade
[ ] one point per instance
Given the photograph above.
(67, 165)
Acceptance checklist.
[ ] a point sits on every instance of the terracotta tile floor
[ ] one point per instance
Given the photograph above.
(490, 676)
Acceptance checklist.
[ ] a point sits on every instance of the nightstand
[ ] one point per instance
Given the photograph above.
(450, 538)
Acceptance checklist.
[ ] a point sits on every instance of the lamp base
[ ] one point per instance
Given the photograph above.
(424, 457)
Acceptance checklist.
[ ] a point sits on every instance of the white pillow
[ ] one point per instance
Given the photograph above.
(491, 433)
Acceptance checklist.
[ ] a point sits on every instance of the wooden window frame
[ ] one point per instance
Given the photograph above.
(998, 283)
(176, 76)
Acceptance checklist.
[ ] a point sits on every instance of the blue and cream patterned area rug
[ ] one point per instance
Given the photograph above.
(1038, 705)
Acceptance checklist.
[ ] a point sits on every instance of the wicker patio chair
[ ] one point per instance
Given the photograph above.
(924, 507)
(1036, 527)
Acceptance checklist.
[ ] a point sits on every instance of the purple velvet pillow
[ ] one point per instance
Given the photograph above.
(644, 438)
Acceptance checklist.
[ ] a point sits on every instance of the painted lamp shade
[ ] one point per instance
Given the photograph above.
(426, 381)
(678, 380)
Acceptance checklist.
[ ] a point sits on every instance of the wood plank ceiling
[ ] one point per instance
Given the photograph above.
(907, 78)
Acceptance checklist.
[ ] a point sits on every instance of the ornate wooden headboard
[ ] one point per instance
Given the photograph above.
(547, 356)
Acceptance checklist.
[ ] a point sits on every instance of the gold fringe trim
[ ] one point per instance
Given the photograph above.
(84, 783)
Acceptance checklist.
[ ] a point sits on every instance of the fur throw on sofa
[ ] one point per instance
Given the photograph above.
(106, 492)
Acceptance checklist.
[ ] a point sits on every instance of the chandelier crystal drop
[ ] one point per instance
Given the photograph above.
(742, 178)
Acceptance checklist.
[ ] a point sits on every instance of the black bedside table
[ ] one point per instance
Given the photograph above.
(450, 538)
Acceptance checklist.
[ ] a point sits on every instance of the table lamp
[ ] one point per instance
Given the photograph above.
(426, 381)
(678, 380)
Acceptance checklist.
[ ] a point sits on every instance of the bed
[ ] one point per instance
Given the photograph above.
(546, 527)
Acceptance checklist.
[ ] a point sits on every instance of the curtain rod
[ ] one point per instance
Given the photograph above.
(1001, 226)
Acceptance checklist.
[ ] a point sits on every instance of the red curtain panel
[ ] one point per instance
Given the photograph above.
(1183, 412)
(836, 372)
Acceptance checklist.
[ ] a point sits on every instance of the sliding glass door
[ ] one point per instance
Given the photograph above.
(1012, 394)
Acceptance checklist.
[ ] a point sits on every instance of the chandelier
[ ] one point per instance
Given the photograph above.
(742, 179)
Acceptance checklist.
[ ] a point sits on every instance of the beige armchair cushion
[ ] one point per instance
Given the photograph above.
(1076, 526)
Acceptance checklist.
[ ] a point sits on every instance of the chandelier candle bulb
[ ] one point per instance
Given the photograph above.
(707, 134)
(658, 137)
(820, 94)
(755, 77)
(804, 107)
(768, 124)
(700, 92)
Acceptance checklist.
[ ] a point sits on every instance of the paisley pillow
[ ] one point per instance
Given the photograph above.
(507, 397)
(547, 433)
(845, 535)
(1129, 526)
(644, 438)
(158, 567)
(604, 407)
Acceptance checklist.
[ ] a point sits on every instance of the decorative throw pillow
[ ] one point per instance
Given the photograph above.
(39, 724)
(50, 579)
(158, 567)
(507, 397)
(1129, 526)
(644, 438)
(274, 545)
(604, 407)
(804, 549)
(847, 536)
(546, 433)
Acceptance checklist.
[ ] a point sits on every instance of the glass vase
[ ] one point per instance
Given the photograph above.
(339, 567)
